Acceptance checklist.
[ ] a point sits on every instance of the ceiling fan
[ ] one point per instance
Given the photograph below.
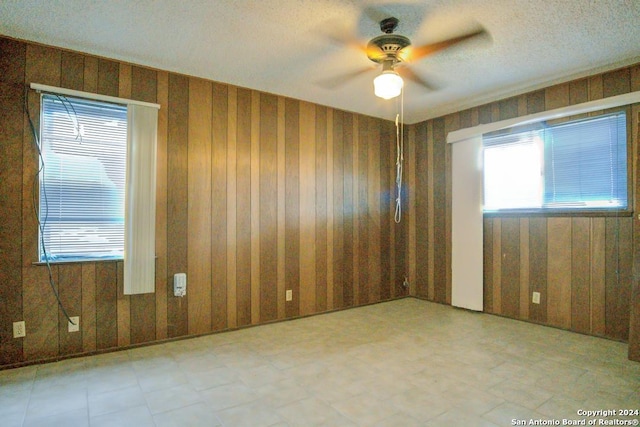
(395, 50)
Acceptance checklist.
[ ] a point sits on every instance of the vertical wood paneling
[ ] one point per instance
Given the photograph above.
(108, 77)
(487, 265)
(307, 199)
(70, 290)
(106, 305)
(338, 210)
(232, 135)
(321, 210)
(387, 141)
(559, 272)
(355, 215)
(597, 276)
(281, 154)
(535, 102)
(268, 297)
(508, 108)
(578, 91)
(580, 275)
(538, 267)
(348, 212)
(410, 173)
(618, 277)
(510, 267)
(88, 317)
(497, 265)
(616, 82)
(330, 212)
(243, 207)
(40, 310)
(177, 208)
(423, 225)
(256, 120)
(123, 301)
(219, 136)
(12, 69)
(292, 205)
(524, 268)
(123, 308)
(40, 313)
(72, 66)
(199, 202)
(42, 66)
(439, 212)
(430, 214)
(362, 215)
(556, 96)
(161, 207)
(373, 209)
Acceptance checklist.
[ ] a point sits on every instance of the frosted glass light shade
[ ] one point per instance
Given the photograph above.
(388, 84)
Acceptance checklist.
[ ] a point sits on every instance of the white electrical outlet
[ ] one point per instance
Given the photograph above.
(19, 329)
(289, 295)
(76, 326)
(536, 298)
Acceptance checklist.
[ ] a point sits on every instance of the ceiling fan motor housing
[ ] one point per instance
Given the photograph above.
(386, 47)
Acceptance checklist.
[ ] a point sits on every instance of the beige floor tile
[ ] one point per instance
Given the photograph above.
(228, 396)
(137, 416)
(507, 413)
(172, 398)
(198, 414)
(252, 414)
(365, 410)
(309, 412)
(402, 363)
(75, 418)
(116, 400)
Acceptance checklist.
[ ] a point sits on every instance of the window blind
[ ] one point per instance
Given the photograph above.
(82, 184)
(586, 163)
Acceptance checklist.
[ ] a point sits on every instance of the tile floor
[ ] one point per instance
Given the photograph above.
(401, 363)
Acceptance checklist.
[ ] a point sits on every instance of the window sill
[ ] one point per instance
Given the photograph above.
(78, 261)
(558, 213)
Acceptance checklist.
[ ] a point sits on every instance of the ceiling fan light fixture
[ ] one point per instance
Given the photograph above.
(388, 85)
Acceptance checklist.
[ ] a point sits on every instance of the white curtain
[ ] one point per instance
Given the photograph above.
(140, 200)
(466, 233)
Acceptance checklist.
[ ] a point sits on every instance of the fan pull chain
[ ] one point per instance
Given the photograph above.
(399, 159)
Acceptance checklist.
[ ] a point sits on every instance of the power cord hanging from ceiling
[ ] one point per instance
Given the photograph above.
(399, 158)
(41, 224)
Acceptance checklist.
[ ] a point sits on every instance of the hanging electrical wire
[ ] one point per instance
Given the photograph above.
(399, 158)
(34, 192)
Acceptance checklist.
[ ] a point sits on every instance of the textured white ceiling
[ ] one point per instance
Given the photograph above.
(293, 47)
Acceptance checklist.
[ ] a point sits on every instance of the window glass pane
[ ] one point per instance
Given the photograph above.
(82, 184)
(512, 178)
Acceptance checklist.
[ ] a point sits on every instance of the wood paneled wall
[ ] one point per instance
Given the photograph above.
(582, 266)
(257, 194)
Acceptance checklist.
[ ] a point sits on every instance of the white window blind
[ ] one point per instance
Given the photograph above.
(82, 184)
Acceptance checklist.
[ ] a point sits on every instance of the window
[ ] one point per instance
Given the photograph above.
(569, 166)
(82, 183)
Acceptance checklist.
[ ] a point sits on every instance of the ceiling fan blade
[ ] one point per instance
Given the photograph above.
(340, 36)
(418, 52)
(409, 74)
(342, 79)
